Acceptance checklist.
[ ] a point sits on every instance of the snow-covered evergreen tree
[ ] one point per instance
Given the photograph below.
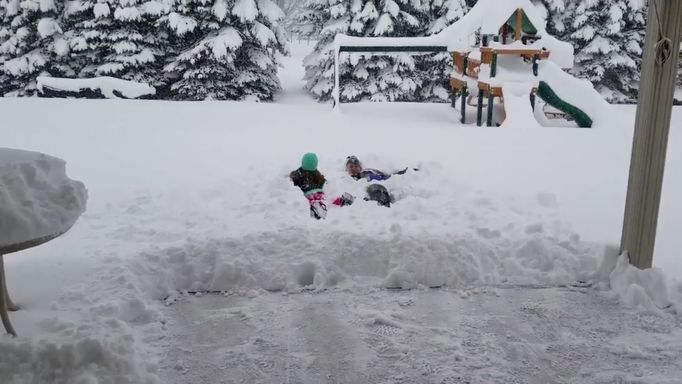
(608, 36)
(4, 36)
(391, 77)
(30, 41)
(292, 12)
(228, 49)
(117, 38)
(435, 69)
(308, 18)
(445, 12)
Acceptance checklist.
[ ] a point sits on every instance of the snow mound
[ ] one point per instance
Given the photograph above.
(83, 359)
(517, 106)
(642, 289)
(107, 87)
(646, 290)
(295, 258)
(37, 199)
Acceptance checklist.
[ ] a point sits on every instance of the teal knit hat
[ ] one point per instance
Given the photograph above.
(309, 162)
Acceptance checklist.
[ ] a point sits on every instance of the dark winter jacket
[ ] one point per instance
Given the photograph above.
(309, 181)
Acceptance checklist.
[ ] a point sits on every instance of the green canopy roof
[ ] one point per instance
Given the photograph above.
(527, 26)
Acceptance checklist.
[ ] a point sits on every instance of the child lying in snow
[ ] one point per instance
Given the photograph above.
(356, 171)
(375, 192)
(311, 182)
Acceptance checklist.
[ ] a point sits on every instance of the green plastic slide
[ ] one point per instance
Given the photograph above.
(550, 97)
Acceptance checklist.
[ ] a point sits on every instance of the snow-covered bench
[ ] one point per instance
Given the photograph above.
(94, 88)
(38, 203)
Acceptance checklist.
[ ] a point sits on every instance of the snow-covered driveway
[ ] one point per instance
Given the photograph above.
(483, 335)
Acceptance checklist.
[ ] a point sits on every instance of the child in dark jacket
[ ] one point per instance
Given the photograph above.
(311, 182)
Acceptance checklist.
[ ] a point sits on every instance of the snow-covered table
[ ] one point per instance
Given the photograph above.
(38, 203)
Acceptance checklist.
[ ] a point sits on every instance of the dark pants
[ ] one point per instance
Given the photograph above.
(379, 193)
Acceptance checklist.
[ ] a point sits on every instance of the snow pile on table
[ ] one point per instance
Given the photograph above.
(97, 87)
(37, 199)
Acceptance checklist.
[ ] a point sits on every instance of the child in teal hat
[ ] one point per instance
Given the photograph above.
(311, 181)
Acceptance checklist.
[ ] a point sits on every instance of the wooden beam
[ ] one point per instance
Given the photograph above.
(519, 24)
(457, 83)
(486, 55)
(650, 141)
(388, 49)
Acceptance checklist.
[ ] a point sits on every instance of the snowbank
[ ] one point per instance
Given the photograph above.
(294, 258)
(37, 199)
(647, 291)
(107, 87)
(642, 289)
(75, 356)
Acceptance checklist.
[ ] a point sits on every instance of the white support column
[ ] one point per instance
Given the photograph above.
(651, 132)
(337, 90)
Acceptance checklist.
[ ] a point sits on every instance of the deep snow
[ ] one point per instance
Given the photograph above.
(195, 196)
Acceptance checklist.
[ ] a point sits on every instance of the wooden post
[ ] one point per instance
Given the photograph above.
(493, 65)
(651, 133)
(519, 24)
(486, 56)
(479, 109)
(453, 97)
(491, 102)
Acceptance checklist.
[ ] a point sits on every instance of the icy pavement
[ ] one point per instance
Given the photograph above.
(482, 335)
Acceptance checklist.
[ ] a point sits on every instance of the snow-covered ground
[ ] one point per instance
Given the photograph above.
(195, 196)
(554, 335)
